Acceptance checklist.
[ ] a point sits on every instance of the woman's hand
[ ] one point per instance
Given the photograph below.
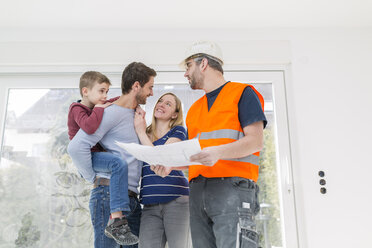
(140, 111)
(161, 170)
(139, 123)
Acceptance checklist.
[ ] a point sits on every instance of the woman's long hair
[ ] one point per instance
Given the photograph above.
(178, 121)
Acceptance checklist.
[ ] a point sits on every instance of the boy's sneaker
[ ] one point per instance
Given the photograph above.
(118, 229)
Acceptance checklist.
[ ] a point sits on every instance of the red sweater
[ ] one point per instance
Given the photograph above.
(80, 116)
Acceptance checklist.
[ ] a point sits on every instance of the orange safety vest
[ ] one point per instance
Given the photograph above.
(220, 125)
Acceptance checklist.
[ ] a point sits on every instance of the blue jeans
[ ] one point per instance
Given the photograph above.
(99, 206)
(106, 162)
(217, 207)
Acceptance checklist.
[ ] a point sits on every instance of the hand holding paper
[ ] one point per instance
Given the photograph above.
(174, 155)
(208, 156)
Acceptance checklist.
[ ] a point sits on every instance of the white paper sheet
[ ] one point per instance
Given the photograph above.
(174, 154)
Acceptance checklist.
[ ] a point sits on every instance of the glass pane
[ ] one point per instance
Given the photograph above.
(44, 202)
(269, 220)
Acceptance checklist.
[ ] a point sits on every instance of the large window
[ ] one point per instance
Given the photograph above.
(44, 202)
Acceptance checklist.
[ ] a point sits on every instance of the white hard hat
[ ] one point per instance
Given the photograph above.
(203, 47)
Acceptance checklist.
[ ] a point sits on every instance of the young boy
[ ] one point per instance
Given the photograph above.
(87, 114)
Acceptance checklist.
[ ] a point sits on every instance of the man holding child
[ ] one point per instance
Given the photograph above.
(116, 125)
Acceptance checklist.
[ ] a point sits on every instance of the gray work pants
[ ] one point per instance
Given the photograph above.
(217, 206)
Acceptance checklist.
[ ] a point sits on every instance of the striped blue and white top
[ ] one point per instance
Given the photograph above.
(156, 189)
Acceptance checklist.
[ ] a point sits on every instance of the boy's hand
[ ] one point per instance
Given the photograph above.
(103, 105)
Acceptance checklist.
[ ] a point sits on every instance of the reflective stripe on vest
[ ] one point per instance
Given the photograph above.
(229, 134)
(221, 134)
(253, 159)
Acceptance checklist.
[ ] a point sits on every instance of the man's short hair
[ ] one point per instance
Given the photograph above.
(213, 63)
(135, 71)
(90, 78)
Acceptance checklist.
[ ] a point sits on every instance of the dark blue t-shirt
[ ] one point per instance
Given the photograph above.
(250, 110)
(156, 189)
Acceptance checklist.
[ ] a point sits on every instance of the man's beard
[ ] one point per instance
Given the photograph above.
(141, 99)
(196, 81)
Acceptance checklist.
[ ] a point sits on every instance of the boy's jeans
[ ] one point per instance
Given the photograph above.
(99, 206)
(217, 205)
(106, 162)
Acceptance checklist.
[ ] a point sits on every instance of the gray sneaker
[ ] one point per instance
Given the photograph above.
(119, 230)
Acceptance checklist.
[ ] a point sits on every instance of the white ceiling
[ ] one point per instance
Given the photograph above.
(195, 14)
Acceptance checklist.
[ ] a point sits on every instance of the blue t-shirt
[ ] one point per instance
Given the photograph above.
(156, 189)
(250, 110)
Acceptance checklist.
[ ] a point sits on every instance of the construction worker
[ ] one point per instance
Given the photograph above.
(228, 121)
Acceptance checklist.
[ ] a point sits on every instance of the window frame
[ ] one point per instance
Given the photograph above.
(17, 77)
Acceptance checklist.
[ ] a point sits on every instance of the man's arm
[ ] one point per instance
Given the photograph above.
(251, 142)
(79, 151)
(79, 148)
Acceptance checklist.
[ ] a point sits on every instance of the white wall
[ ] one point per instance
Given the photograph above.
(329, 94)
(330, 114)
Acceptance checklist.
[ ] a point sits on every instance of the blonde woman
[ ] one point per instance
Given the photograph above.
(165, 216)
